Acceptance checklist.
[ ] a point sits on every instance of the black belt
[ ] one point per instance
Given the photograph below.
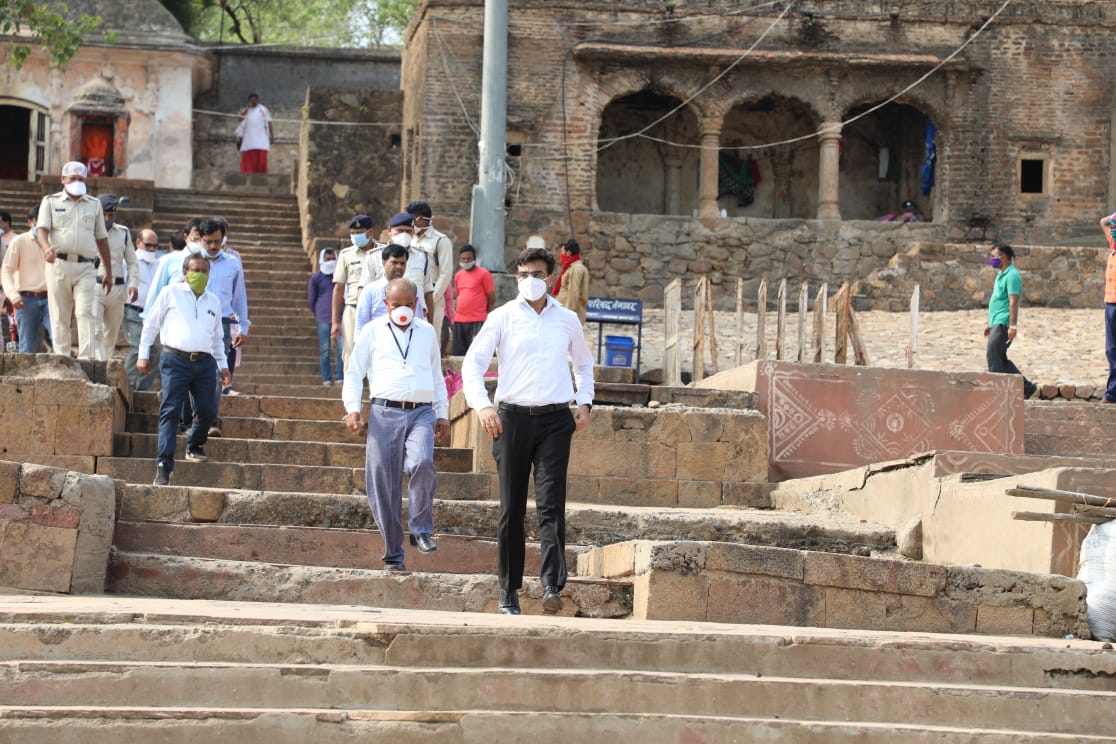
(193, 356)
(130, 306)
(80, 259)
(406, 405)
(535, 410)
(35, 295)
(228, 321)
(118, 280)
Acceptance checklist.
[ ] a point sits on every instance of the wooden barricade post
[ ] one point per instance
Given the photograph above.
(761, 320)
(912, 349)
(738, 356)
(860, 352)
(821, 304)
(712, 328)
(672, 316)
(803, 314)
(780, 319)
(841, 338)
(698, 368)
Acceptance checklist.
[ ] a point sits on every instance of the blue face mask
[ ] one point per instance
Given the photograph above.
(359, 239)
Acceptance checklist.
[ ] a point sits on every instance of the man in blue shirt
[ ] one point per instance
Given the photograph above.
(226, 281)
(1003, 314)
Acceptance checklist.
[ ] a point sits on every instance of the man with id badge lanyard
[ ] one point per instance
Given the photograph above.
(398, 354)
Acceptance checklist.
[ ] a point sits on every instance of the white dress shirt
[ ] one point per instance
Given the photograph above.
(399, 364)
(531, 350)
(185, 322)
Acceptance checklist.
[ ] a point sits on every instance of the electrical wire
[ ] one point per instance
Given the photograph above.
(316, 122)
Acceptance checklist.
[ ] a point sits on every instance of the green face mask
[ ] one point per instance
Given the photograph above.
(197, 281)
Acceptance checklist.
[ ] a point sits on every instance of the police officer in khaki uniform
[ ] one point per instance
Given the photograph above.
(110, 307)
(440, 249)
(72, 235)
(346, 282)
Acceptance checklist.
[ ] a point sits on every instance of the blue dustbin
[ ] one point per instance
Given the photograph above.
(618, 351)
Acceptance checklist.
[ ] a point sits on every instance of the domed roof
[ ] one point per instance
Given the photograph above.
(135, 22)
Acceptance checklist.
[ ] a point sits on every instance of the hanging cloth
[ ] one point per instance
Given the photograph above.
(927, 175)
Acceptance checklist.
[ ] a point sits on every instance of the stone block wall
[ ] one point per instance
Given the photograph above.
(55, 528)
(59, 411)
(728, 582)
(671, 455)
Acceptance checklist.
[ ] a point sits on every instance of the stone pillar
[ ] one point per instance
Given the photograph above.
(829, 182)
(673, 200)
(710, 150)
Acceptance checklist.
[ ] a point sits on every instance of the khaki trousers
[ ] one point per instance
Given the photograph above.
(109, 311)
(348, 331)
(72, 291)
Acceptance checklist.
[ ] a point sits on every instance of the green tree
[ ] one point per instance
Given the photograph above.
(386, 19)
(28, 23)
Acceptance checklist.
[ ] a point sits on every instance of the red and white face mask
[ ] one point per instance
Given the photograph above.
(402, 315)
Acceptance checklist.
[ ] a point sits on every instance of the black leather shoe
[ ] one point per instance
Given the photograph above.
(162, 476)
(509, 603)
(424, 542)
(394, 566)
(552, 602)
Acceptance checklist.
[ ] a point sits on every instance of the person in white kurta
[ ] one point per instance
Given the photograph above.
(255, 135)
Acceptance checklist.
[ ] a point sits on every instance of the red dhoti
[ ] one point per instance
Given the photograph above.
(253, 161)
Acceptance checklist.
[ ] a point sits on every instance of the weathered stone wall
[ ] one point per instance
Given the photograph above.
(1002, 99)
(59, 411)
(55, 528)
(350, 165)
(281, 76)
(733, 583)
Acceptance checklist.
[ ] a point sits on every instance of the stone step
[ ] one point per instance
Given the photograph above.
(474, 512)
(370, 687)
(307, 390)
(280, 451)
(283, 385)
(278, 477)
(177, 577)
(314, 546)
(328, 407)
(279, 429)
(304, 368)
(118, 725)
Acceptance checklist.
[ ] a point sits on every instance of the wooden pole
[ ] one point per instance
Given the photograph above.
(1052, 494)
(738, 357)
(803, 315)
(821, 304)
(1057, 517)
(761, 320)
(1095, 511)
(841, 338)
(672, 317)
(712, 328)
(698, 372)
(912, 350)
(780, 318)
(860, 353)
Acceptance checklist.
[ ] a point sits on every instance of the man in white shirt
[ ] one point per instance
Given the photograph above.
(532, 423)
(370, 304)
(399, 356)
(188, 320)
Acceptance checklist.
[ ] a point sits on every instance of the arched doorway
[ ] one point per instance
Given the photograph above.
(881, 162)
(23, 148)
(643, 175)
(773, 182)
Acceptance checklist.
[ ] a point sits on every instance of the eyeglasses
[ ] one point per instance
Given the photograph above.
(531, 274)
(153, 246)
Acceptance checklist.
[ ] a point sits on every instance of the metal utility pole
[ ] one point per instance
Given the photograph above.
(487, 225)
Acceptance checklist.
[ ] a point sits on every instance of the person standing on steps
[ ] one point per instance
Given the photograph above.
(1003, 314)
(255, 135)
(23, 277)
(110, 307)
(346, 283)
(440, 249)
(534, 338)
(188, 319)
(399, 356)
(147, 260)
(74, 240)
(476, 296)
(319, 298)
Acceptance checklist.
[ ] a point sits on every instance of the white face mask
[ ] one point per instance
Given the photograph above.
(467, 265)
(402, 316)
(195, 246)
(532, 289)
(328, 266)
(146, 255)
(403, 239)
(75, 188)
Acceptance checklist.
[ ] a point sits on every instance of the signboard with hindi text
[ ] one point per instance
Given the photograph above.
(612, 311)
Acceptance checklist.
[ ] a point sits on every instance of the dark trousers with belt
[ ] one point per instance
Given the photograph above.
(996, 354)
(541, 442)
(181, 377)
(1110, 349)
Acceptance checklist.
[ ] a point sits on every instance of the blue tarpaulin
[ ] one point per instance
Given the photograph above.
(931, 157)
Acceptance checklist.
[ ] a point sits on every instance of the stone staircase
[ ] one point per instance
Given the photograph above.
(141, 670)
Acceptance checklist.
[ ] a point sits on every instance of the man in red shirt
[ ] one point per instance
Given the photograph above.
(476, 296)
(1108, 224)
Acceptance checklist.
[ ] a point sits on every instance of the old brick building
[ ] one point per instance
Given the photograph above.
(617, 110)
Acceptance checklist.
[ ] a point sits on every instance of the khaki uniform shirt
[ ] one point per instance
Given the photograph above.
(349, 265)
(440, 248)
(74, 226)
(123, 252)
